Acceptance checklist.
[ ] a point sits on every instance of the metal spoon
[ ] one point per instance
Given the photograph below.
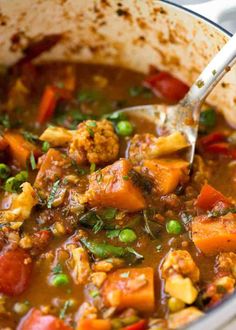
(184, 117)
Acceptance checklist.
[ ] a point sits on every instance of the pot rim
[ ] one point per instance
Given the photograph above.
(223, 314)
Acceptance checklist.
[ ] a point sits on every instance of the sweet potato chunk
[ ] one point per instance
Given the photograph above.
(130, 287)
(52, 166)
(215, 235)
(20, 148)
(112, 187)
(94, 324)
(166, 173)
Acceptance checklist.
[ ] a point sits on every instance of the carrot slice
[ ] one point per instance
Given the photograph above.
(209, 197)
(130, 287)
(212, 236)
(166, 173)
(49, 101)
(20, 149)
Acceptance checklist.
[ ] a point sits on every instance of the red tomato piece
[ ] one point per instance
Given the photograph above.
(166, 86)
(209, 197)
(15, 271)
(49, 101)
(140, 325)
(35, 320)
(220, 148)
(213, 138)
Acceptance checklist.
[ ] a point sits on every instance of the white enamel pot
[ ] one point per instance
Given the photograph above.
(130, 33)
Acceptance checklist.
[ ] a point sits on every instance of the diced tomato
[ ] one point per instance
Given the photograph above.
(51, 96)
(35, 320)
(213, 138)
(15, 271)
(140, 325)
(220, 148)
(209, 197)
(166, 86)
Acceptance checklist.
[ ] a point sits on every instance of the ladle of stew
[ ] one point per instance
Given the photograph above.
(184, 117)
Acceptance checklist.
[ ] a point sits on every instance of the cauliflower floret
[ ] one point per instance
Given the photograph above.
(94, 142)
(185, 316)
(180, 262)
(21, 206)
(226, 263)
(81, 266)
(148, 146)
(57, 136)
(180, 273)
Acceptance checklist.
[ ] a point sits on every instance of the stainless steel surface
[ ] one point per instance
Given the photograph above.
(184, 117)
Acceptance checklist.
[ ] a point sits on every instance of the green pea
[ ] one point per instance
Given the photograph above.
(45, 146)
(127, 236)
(109, 213)
(4, 171)
(124, 128)
(173, 227)
(208, 118)
(11, 184)
(60, 280)
(22, 176)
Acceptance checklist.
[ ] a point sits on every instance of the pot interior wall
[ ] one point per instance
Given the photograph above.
(130, 33)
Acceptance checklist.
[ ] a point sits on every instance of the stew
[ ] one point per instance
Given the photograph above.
(102, 225)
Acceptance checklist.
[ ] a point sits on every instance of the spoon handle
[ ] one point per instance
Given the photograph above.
(211, 75)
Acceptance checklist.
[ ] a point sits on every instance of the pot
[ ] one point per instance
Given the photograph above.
(130, 33)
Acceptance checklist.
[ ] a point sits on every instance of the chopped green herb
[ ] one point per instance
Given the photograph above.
(13, 184)
(98, 176)
(126, 177)
(221, 289)
(220, 213)
(98, 225)
(214, 72)
(116, 116)
(53, 193)
(92, 168)
(57, 269)
(77, 168)
(45, 146)
(88, 96)
(91, 132)
(208, 118)
(64, 309)
(133, 251)
(32, 161)
(200, 83)
(140, 91)
(113, 233)
(109, 213)
(91, 123)
(94, 293)
(4, 171)
(30, 136)
(5, 120)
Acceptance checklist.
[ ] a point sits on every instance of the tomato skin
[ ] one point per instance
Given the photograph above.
(140, 325)
(15, 271)
(213, 138)
(166, 86)
(209, 197)
(35, 320)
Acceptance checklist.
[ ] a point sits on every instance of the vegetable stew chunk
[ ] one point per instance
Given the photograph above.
(214, 235)
(94, 142)
(20, 149)
(209, 197)
(166, 173)
(130, 287)
(113, 187)
(35, 320)
(15, 271)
